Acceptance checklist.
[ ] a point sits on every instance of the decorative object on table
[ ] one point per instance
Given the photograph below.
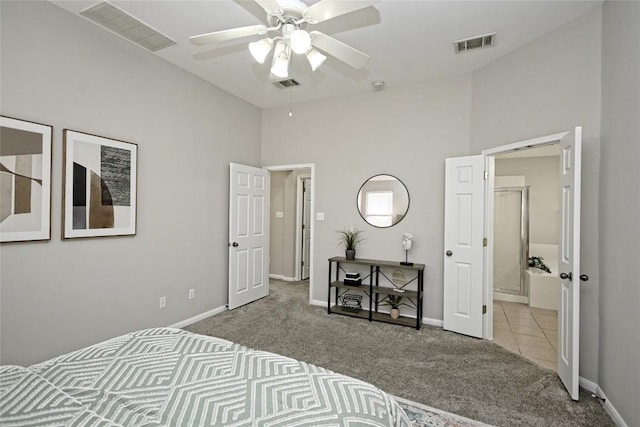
(350, 237)
(100, 186)
(25, 180)
(399, 280)
(395, 302)
(352, 279)
(407, 241)
(351, 302)
(538, 262)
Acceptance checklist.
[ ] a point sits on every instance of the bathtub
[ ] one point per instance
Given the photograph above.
(544, 288)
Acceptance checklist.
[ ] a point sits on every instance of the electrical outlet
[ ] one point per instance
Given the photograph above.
(163, 302)
(192, 293)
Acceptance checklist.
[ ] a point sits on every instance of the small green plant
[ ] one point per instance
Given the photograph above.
(394, 301)
(538, 262)
(350, 237)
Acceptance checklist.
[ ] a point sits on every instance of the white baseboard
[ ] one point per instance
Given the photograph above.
(608, 406)
(199, 317)
(318, 303)
(281, 277)
(611, 410)
(588, 385)
(432, 322)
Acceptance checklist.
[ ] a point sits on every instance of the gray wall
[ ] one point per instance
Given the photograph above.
(404, 131)
(552, 85)
(620, 209)
(542, 176)
(61, 295)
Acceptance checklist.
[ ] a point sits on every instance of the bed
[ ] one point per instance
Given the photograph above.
(171, 377)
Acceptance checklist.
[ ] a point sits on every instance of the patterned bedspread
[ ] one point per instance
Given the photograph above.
(170, 377)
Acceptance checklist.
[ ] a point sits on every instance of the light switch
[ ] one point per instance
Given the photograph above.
(319, 216)
(279, 214)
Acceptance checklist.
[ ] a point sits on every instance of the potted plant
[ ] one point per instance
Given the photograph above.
(538, 262)
(350, 237)
(395, 302)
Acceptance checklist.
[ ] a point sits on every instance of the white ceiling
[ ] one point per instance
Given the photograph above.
(409, 41)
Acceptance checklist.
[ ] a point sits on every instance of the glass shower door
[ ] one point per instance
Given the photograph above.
(511, 240)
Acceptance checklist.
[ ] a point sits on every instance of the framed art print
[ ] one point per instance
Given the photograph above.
(25, 180)
(100, 186)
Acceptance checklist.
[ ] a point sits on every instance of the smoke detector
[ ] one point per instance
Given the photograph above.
(377, 84)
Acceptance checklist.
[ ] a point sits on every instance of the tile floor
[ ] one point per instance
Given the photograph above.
(528, 331)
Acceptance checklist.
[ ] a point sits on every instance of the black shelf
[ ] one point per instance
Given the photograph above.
(371, 287)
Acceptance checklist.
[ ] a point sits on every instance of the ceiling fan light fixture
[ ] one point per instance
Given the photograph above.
(280, 65)
(300, 41)
(315, 58)
(260, 49)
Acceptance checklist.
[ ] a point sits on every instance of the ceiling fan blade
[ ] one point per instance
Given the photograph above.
(224, 35)
(269, 6)
(327, 9)
(341, 51)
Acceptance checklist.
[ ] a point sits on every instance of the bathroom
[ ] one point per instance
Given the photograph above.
(527, 229)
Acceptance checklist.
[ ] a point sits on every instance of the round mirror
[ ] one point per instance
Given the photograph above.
(383, 200)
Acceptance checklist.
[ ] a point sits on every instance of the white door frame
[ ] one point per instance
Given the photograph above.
(299, 220)
(312, 167)
(488, 224)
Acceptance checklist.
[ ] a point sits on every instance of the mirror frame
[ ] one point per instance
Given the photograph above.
(405, 189)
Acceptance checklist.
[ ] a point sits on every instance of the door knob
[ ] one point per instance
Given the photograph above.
(449, 253)
(584, 277)
(235, 244)
(564, 276)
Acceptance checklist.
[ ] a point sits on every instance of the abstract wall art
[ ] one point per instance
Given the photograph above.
(25, 180)
(100, 186)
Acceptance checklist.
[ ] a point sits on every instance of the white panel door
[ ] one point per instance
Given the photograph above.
(306, 228)
(248, 235)
(569, 261)
(463, 234)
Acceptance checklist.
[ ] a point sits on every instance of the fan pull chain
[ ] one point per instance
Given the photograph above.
(290, 102)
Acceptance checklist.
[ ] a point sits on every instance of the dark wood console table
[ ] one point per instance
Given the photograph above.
(376, 285)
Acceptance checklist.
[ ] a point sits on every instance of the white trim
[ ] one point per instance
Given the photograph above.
(281, 277)
(611, 410)
(528, 143)
(311, 166)
(594, 388)
(318, 303)
(432, 322)
(199, 317)
(589, 385)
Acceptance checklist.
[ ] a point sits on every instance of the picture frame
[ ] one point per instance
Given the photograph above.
(25, 180)
(99, 197)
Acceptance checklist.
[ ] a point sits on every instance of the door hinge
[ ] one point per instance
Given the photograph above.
(486, 175)
(485, 242)
(484, 309)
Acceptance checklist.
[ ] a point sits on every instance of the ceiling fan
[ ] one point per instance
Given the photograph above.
(289, 19)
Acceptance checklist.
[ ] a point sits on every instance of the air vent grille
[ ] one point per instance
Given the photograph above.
(283, 84)
(487, 40)
(127, 26)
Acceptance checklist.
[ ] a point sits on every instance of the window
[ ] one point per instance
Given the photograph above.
(380, 208)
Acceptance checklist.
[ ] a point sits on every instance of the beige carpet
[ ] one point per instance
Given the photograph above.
(466, 376)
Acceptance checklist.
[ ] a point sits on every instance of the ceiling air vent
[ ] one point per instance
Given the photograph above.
(127, 26)
(283, 84)
(487, 40)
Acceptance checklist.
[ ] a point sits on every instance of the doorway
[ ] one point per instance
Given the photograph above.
(291, 223)
(526, 227)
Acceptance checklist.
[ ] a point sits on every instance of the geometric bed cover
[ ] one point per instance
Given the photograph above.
(171, 377)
